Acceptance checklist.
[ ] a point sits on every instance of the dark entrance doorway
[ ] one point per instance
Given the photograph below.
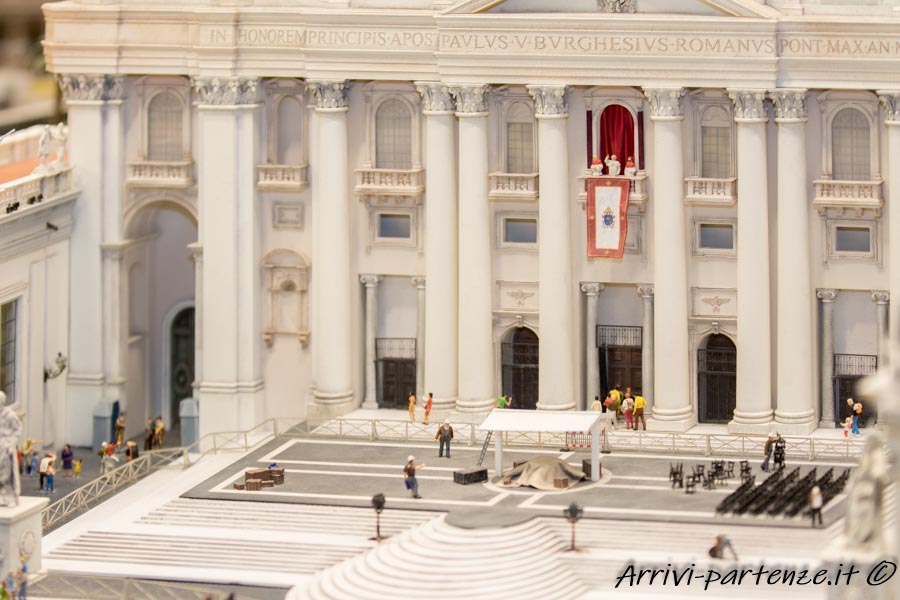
(848, 370)
(621, 359)
(520, 368)
(181, 382)
(716, 385)
(395, 371)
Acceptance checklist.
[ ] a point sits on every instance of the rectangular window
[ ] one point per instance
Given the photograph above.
(853, 239)
(394, 226)
(520, 231)
(717, 236)
(8, 313)
(716, 141)
(520, 148)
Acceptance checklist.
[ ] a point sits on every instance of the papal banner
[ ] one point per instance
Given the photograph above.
(607, 211)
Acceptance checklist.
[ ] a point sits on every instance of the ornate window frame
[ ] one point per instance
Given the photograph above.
(697, 250)
(503, 99)
(147, 89)
(276, 91)
(286, 272)
(830, 104)
(597, 99)
(376, 240)
(699, 103)
(832, 254)
(500, 218)
(375, 95)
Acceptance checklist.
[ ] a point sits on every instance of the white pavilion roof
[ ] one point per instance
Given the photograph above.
(510, 419)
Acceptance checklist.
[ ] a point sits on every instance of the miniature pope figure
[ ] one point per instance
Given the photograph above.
(10, 431)
(613, 166)
(596, 166)
(630, 169)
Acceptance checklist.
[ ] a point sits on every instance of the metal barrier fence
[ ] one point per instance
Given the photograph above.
(93, 587)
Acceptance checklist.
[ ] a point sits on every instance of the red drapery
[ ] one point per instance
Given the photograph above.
(616, 134)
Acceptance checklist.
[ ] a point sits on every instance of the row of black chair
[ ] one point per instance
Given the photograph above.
(14, 206)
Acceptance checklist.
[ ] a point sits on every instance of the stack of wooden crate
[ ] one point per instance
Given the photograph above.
(257, 479)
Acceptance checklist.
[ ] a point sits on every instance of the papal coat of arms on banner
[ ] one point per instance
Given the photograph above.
(607, 210)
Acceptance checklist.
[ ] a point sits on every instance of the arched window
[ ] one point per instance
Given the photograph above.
(165, 120)
(393, 136)
(520, 139)
(850, 146)
(715, 140)
(288, 132)
(616, 133)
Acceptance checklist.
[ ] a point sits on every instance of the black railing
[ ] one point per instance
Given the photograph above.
(619, 336)
(854, 364)
(395, 348)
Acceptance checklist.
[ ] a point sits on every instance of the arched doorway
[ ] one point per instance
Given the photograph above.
(716, 383)
(181, 360)
(519, 354)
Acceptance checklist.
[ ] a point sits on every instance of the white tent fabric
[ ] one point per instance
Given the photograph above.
(510, 419)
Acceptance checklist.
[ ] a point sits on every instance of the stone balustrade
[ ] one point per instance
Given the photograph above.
(848, 195)
(390, 182)
(21, 145)
(160, 174)
(29, 192)
(282, 178)
(638, 196)
(710, 191)
(513, 186)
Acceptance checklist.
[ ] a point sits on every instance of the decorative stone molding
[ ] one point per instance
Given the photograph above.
(470, 99)
(881, 297)
(592, 289)
(790, 105)
(827, 295)
(549, 101)
(891, 102)
(714, 303)
(665, 103)
(436, 98)
(417, 282)
(616, 6)
(645, 291)
(287, 287)
(749, 106)
(91, 88)
(226, 91)
(330, 95)
(516, 297)
(520, 296)
(287, 215)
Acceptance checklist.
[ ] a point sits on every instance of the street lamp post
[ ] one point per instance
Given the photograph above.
(378, 505)
(573, 514)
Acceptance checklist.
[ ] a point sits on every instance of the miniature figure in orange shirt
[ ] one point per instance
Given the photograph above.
(428, 405)
(412, 407)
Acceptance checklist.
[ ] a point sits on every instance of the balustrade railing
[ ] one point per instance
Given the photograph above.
(639, 192)
(160, 174)
(26, 193)
(272, 177)
(390, 182)
(700, 191)
(513, 186)
(858, 195)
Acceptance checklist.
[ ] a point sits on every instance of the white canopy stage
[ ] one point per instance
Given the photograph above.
(505, 419)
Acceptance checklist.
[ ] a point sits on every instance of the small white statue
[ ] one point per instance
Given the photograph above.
(60, 136)
(44, 145)
(613, 166)
(10, 431)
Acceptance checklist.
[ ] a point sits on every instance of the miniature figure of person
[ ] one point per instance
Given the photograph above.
(616, 393)
(856, 411)
(78, 468)
(428, 404)
(501, 402)
(5, 591)
(848, 424)
(10, 430)
(444, 436)
(509, 402)
(409, 474)
(768, 449)
(51, 474)
(67, 456)
(412, 407)
(718, 549)
(613, 166)
(22, 583)
(640, 404)
(779, 453)
(131, 451)
(10, 582)
(596, 405)
(159, 430)
(120, 428)
(815, 504)
(630, 169)
(148, 435)
(108, 463)
(628, 409)
(33, 465)
(596, 166)
(610, 405)
(42, 470)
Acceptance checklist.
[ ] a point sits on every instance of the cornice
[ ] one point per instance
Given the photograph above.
(80, 87)
(226, 91)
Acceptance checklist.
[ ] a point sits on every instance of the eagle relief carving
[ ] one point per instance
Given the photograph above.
(520, 296)
(716, 302)
(616, 6)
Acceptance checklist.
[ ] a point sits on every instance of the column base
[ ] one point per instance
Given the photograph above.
(557, 407)
(475, 405)
(370, 404)
(230, 406)
(827, 424)
(794, 423)
(443, 404)
(15, 521)
(327, 406)
(671, 425)
(83, 391)
(752, 428)
(753, 423)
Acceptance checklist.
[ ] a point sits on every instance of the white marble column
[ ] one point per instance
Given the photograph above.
(646, 294)
(890, 101)
(441, 294)
(672, 410)
(371, 282)
(334, 362)
(231, 387)
(826, 386)
(196, 249)
(421, 314)
(795, 375)
(591, 352)
(476, 350)
(556, 291)
(754, 354)
(312, 145)
(882, 302)
(97, 148)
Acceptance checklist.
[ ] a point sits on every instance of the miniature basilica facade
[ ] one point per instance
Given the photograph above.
(302, 208)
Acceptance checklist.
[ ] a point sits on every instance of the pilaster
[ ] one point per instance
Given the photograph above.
(421, 312)
(646, 294)
(371, 282)
(591, 352)
(826, 351)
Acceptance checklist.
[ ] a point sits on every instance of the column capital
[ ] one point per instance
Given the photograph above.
(113, 251)
(226, 91)
(196, 249)
(470, 99)
(645, 291)
(665, 103)
(890, 100)
(91, 88)
(370, 281)
(881, 297)
(592, 289)
(436, 98)
(418, 282)
(827, 296)
(550, 101)
(330, 95)
(790, 105)
(749, 105)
